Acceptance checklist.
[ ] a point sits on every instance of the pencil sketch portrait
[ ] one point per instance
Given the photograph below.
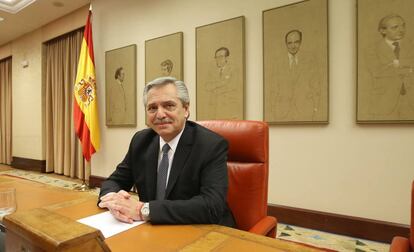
(163, 57)
(386, 66)
(298, 85)
(220, 75)
(166, 67)
(117, 97)
(296, 64)
(120, 79)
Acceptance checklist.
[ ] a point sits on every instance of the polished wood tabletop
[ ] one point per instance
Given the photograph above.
(146, 237)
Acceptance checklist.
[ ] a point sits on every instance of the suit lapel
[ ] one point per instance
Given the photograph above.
(151, 168)
(386, 52)
(180, 157)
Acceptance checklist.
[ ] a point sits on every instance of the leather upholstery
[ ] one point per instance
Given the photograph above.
(248, 169)
(412, 218)
(402, 244)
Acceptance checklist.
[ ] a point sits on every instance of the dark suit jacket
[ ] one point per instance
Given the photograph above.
(198, 182)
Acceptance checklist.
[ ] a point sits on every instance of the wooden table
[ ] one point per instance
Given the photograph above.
(146, 237)
(31, 194)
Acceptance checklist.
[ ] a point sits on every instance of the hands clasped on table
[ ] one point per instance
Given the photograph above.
(122, 206)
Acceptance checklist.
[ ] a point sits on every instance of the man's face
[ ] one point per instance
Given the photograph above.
(394, 29)
(221, 58)
(166, 114)
(293, 42)
(121, 75)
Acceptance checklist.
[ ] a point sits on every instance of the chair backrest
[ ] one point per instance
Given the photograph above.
(248, 168)
(412, 218)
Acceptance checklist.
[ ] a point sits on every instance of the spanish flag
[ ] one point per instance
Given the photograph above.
(85, 105)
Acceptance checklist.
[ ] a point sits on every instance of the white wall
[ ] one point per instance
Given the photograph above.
(358, 170)
(345, 168)
(5, 51)
(27, 137)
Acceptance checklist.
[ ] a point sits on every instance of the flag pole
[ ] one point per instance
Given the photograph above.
(84, 187)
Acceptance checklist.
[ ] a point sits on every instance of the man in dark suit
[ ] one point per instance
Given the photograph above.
(178, 167)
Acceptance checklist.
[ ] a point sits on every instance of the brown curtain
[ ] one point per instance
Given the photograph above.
(6, 111)
(63, 149)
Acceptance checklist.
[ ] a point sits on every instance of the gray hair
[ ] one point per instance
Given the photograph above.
(182, 91)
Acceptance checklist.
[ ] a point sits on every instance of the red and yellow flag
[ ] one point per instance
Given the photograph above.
(85, 106)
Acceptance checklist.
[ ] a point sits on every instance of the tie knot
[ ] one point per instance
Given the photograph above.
(165, 148)
(396, 44)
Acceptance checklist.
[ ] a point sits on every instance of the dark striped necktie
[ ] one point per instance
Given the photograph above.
(162, 173)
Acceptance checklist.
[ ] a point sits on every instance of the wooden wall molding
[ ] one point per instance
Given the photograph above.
(96, 181)
(29, 164)
(362, 228)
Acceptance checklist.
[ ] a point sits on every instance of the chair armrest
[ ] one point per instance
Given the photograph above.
(400, 244)
(266, 226)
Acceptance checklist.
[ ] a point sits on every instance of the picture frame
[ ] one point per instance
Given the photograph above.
(164, 57)
(385, 61)
(120, 87)
(295, 63)
(220, 70)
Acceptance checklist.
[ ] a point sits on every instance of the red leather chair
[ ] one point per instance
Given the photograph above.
(248, 168)
(402, 244)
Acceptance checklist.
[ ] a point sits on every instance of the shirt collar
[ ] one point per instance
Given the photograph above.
(293, 59)
(389, 42)
(174, 142)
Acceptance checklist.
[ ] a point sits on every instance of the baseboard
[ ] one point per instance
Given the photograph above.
(29, 164)
(369, 229)
(96, 181)
(373, 230)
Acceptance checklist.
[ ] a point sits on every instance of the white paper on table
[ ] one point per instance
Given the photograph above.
(108, 225)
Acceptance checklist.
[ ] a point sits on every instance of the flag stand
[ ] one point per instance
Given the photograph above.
(84, 187)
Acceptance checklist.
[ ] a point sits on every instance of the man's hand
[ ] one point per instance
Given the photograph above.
(122, 206)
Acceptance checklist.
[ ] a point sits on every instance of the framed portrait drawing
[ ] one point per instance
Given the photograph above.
(220, 70)
(164, 57)
(120, 86)
(295, 63)
(385, 46)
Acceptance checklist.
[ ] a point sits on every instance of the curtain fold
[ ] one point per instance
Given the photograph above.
(6, 111)
(63, 149)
